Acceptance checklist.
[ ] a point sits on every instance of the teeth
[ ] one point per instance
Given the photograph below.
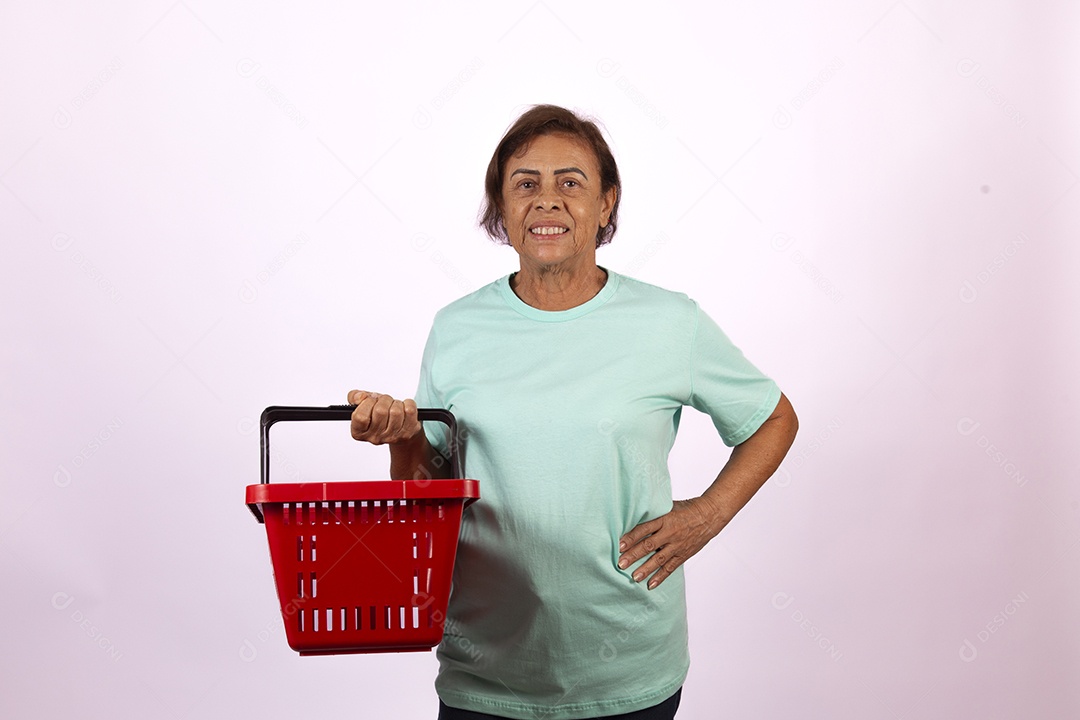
(548, 231)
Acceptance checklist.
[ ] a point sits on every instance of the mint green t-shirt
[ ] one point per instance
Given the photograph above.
(567, 419)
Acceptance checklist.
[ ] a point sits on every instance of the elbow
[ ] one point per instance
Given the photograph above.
(785, 415)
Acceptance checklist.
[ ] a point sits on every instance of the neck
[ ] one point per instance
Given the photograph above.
(556, 288)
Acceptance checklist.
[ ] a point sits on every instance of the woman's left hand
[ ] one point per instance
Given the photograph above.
(672, 539)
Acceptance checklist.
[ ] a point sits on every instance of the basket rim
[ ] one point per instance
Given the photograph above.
(357, 491)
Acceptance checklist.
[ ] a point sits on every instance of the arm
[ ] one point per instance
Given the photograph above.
(417, 459)
(380, 419)
(677, 536)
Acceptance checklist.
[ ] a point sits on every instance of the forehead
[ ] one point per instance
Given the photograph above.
(556, 150)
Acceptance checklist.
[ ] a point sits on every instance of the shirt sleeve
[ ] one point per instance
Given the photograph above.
(726, 386)
(428, 396)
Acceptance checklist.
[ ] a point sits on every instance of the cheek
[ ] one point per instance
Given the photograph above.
(509, 215)
(515, 211)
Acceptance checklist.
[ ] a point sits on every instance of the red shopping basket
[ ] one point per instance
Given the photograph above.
(365, 566)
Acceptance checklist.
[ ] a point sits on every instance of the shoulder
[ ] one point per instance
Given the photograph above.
(482, 299)
(632, 290)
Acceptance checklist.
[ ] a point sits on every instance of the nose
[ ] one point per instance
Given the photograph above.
(548, 199)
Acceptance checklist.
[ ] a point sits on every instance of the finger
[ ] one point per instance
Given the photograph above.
(355, 396)
(658, 577)
(660, 566)
(640, 549)
(651, 565)
(395, 420)
(380, 418)
(669, 567)
(411, 426)
(361, 416)
(367, 428)
(639, 532)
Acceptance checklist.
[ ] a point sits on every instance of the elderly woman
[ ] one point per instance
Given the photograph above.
(568, 381)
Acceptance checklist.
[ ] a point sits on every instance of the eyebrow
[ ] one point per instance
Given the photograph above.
(560, 171)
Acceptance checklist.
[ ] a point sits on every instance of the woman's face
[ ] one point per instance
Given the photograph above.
(552, 205)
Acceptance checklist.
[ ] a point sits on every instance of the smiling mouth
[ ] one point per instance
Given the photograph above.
(547, 230)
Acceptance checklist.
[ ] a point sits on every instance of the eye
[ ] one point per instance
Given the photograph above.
(570, 183)
(526, 184)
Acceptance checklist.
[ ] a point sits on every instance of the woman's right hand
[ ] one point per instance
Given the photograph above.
(380, 419)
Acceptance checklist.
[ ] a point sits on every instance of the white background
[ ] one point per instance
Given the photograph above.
(208, 208)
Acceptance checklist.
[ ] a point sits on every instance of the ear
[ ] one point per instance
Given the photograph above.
(609, 198)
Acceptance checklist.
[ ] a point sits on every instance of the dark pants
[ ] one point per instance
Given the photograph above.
(663, 711)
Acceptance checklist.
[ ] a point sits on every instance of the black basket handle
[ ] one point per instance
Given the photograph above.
(281, 413)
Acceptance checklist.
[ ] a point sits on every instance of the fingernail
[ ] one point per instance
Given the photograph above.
(623, 564)
(638, 577)
(622, 546)
(653, 584)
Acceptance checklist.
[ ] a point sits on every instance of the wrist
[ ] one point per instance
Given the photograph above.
(714, 511)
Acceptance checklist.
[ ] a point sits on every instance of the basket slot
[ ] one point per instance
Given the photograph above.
(300, 548)
(430, 544)
(285, 513)
(351, 512)
(305, 588)
(314, 586)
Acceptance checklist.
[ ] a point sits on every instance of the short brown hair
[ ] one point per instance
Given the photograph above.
(547, 120)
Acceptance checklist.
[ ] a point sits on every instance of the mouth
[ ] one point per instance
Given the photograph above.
(548, 230)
